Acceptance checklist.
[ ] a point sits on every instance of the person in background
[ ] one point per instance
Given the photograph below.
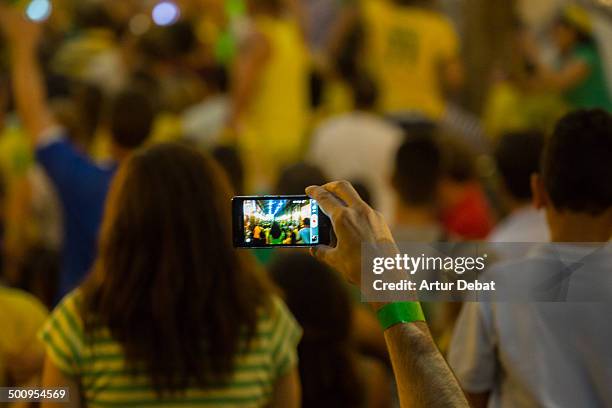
(229, 159)
(81, 184)
(304, 232)
(175, 317)
(359, 145)
(92, 54)
(203, 123)
(21, 354)
(551, 354)
(413, 52)
(581, 78)
(296, 177)
(333, 372)
(422, 376)
(32, 215)
(416, 180)
(21, 315)
(517, 157)
(465, 212)
(270, 91)
(275, 236)
(292, 181)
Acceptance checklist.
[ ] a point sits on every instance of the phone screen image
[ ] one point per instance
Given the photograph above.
(283, 221)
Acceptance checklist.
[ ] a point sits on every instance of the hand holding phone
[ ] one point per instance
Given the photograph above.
(279, 222)
(355, 224)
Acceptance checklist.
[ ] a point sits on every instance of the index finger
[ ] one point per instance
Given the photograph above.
(329, 203)
(346, 192)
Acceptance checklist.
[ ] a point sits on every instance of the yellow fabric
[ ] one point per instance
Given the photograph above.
(98, 362)
(508, 109)
(579, 17)
(406, 47)
(74, 57)
(15, 153)
(276, 120)
(21, 316)
(167, 127)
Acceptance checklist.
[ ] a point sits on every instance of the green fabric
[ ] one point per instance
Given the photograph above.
(226, 45)
(593, 92)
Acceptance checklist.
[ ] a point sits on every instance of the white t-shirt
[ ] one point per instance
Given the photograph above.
(524, 225)
(541, 354)
(359, 147)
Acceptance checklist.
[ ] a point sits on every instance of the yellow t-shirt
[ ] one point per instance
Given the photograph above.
(406, 47)
(21, 316)
(277, 118)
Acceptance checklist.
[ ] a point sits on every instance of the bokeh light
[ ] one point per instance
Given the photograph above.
(166, 13)
(38, 10)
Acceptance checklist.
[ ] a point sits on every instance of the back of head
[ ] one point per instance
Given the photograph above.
(167, 282)
(275, 230)
(459, 161)
(274, 7)
(365, 92)
(576, 167)
(295, 178)
(168, 43)
(229, 159)
(327, 371)
(517, 157)
(93, 15)
(131, 118)
(418, 170)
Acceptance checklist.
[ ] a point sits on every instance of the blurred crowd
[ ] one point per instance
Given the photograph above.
(169, 108)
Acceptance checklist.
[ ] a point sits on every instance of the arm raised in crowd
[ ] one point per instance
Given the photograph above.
(423, 377)
(28, 82)
(252, 56)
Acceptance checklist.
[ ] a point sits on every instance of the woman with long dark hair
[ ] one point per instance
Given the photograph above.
(172, 314)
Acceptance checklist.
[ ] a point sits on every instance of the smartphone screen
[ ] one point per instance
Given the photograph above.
(278, 221)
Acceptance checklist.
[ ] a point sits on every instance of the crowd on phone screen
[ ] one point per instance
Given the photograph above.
(122, 143)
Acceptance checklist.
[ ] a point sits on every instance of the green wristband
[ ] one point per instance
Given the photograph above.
(402, 312)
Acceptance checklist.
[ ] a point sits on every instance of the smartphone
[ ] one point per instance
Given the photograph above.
(279, 222)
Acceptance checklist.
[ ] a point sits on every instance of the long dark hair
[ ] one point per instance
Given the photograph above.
(321, 304)
(167, 282)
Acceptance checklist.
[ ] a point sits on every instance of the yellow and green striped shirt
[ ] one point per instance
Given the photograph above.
(97, 361)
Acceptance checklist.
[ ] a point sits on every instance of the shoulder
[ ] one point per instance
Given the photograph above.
(70, 309)
(63, 335)
(21, 303)
(278, 322)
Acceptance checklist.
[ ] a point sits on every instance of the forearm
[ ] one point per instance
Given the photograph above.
(241, 94)
(30, 93)
(423, 377)
(572, 74)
